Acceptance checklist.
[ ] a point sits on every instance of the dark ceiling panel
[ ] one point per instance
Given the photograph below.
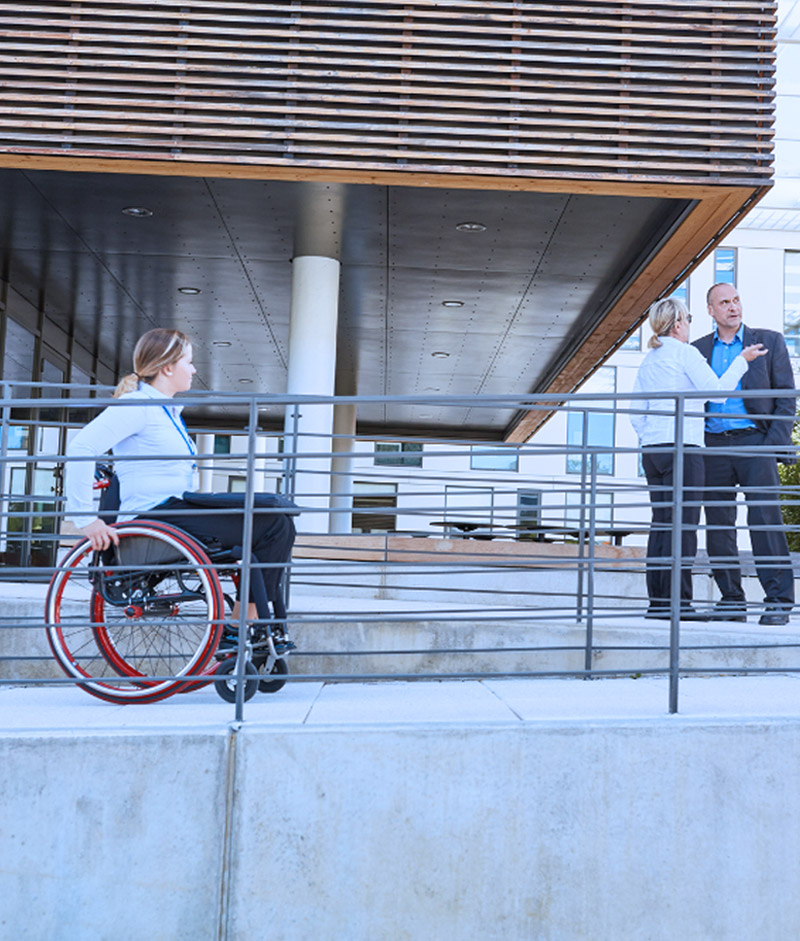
(541, 268)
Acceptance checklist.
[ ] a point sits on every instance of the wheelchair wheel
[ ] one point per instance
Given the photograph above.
(226, 685)
(279, 668)
(129, 622)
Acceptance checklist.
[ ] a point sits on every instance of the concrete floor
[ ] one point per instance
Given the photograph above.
(29, 710)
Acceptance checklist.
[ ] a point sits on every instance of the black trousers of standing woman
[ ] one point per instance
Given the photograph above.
(273, 538)
(659, 467)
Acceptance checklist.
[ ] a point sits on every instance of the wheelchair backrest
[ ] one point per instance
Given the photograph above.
(107, 482)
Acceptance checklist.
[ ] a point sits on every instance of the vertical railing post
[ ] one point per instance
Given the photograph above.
(290, 463)
(590, 570)
(677, 556)
(247, 552)
(582, 514)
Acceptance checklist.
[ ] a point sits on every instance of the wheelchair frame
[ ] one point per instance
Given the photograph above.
(154, 621)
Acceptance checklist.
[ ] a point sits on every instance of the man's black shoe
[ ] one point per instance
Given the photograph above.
(688, 613)
(729, 611)
(660, 612)
(774, 615)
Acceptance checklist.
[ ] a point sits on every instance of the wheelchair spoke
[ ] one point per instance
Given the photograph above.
(130, 628)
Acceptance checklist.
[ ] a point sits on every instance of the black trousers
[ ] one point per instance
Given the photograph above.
(273, 538)
(757, 475)
(660, 471)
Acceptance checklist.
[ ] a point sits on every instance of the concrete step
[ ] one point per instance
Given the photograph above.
(356, 635)
(337, 637)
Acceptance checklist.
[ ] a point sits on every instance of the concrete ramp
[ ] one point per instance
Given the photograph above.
(549, 809)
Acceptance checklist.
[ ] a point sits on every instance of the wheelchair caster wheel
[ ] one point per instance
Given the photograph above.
(226, 687)
(280, 668)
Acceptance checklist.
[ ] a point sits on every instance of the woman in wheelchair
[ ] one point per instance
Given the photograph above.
(155, 486)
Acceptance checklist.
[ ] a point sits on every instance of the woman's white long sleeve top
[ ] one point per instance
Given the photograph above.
(678, 367)
(151, 428)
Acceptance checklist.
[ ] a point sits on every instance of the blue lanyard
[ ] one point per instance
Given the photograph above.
(182, 431)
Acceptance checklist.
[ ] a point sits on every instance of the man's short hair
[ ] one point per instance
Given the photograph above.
(719, 284)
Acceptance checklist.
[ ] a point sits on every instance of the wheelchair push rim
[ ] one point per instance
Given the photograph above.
(129, 632)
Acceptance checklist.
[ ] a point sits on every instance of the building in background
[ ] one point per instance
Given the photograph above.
(386, 199)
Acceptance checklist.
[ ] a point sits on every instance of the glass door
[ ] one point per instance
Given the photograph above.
(33, 519)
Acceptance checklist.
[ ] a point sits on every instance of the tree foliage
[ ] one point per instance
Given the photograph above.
(790, 496)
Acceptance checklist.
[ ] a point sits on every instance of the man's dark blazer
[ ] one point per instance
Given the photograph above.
(773, 371)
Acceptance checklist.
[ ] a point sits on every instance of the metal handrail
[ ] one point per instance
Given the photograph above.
(318, 565)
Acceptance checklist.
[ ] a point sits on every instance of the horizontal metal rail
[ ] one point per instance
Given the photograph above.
(442, 557)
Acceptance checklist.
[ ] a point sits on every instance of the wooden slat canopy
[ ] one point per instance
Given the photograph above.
(588, 89)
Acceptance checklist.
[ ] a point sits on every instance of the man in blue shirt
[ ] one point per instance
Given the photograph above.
(750, 423)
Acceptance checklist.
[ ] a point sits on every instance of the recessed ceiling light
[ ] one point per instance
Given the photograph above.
(189, 291)
(140, 212)
(471, 227)
(452, 303)
(221, 343)
(440, 354)
(243, 381)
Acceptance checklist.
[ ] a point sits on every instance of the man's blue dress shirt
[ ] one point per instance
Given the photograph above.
(722, 355)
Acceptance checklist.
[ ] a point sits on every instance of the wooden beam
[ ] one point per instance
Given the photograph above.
(695, 237)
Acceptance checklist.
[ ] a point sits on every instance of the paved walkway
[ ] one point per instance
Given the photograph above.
(32, 710)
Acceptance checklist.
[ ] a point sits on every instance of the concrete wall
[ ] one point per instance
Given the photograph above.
(604, 829)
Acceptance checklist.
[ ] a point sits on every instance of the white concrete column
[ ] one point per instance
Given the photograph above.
(312, 368)
(313, 320)
(205, 445)
(344, 429)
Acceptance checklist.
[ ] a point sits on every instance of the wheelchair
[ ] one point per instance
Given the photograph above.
(150, 618)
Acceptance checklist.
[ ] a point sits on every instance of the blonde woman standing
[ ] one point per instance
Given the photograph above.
(673, 365)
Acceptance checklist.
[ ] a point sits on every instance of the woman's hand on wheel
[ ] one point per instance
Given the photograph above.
(753, 352)
(100, 534)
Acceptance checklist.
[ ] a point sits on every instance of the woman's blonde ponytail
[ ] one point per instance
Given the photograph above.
(663, 316)
(129, 383)
(155, 350)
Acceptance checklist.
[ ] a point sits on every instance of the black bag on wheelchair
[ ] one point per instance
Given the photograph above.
(236, 501)
(107, 482)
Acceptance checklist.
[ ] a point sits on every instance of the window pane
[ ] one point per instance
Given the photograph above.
(370, 503)
(681, 293)
(725, 266)
(79, 378)
(634, 341)
(18, 437)
(791, 301)
(18, 358)
(600, 425)
(394, 453)
(494, 458)
(51, 373)
(529, 507)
